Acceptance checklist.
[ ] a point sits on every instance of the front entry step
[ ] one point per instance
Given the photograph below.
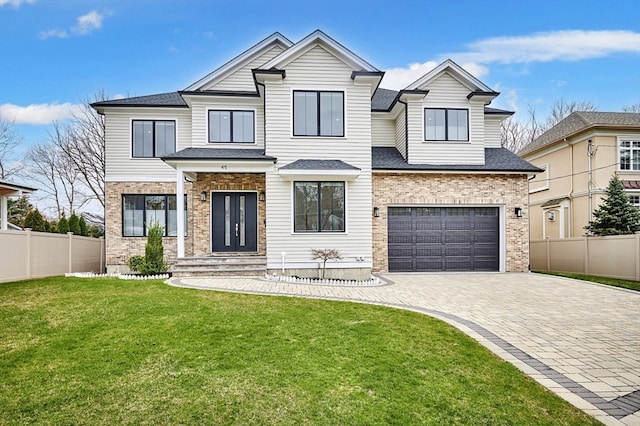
(233, 265)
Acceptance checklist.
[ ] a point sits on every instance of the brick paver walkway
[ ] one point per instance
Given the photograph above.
(580, 340)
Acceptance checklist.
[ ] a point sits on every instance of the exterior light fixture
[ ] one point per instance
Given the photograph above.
(376, 212)
(518, 212)
(262, 196)
(203, 196)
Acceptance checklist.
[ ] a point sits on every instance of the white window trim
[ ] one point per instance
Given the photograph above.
(543, 184)
(625, 138)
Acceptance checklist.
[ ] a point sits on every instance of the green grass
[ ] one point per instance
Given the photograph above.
(108, 351)
(631, 285)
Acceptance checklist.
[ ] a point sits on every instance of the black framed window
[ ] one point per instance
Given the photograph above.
(446, 124)
(153, 138)
(318, 113)
(140, 211)
(319, 207)
(227, 126)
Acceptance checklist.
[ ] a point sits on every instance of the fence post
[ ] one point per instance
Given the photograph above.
(586, 255)
(28, 253)
(102, 254)
(70, 265)
(637, 257)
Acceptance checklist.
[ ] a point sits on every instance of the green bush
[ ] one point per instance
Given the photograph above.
(83, 227)
(154, 251)
(74, 224)
(35, 221)
(63, 225)
(135, 263)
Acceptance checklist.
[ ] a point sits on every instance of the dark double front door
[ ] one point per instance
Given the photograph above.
(234, 222)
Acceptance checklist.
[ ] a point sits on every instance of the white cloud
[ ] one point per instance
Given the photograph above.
(568, 45)
(399, 78)
(52, 33)
(15, 3)
(39, 114)
(87, 23)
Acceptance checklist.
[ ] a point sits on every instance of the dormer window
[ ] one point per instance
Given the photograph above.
(226, 126)
(446, 124)
(318, 113)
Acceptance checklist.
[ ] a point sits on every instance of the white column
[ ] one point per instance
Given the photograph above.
(4, 217)
(180, 212)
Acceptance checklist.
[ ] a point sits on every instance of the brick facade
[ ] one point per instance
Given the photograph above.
(118, 248)
(410, 189)
(198, 241)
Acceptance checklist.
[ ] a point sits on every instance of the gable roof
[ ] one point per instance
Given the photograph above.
(579, 121)
(171, 99)
(457, 72)
(353, 60)
(496, 160)
(242, 59)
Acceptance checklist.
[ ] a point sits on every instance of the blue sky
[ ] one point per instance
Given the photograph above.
(55, 53)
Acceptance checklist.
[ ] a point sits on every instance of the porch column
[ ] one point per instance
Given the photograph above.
(4, 217)
(180, 212)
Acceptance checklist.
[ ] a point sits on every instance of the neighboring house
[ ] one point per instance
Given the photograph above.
(7, 190)
(292, 146)
(579, 155)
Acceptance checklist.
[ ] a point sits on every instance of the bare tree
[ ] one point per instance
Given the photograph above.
(632, 108)
(562, 108)
(58, 177)
(9, 140)
(82, 141)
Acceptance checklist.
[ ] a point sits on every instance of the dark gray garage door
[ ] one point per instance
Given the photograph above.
(424, 239)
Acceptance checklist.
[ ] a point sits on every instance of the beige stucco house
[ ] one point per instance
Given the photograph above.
(293, 145)
(579, 156)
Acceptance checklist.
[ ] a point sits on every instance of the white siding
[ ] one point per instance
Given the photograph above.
(200, 106)
(383, 130)
(318, 70)
(492, 131)
(401, 134)
(242, 78)
(446, 92)
(120, 165)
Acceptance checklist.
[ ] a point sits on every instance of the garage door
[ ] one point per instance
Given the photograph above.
(424, 239)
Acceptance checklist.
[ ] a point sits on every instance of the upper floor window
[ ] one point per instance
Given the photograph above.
(153, 138)
(231, 126)
(635, 199)
(629, 155)
(318, 113)
(140, 211)
(445, 124)
(319, 207)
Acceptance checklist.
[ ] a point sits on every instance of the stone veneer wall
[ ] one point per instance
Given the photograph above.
(408, 189)
(202, 210)
(118, 248)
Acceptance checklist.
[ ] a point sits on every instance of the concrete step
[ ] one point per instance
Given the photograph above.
(232, 265)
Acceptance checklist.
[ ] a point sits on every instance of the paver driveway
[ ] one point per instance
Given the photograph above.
(580, 340)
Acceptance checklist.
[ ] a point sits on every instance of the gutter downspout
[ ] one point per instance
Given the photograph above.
(590, 181)
(571, 206)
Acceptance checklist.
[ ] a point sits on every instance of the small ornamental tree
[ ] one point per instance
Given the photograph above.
(35, 221)
(324, 255)
(616, 215)
(154, 251)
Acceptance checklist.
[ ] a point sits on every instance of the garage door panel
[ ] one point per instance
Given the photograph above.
(443, 238)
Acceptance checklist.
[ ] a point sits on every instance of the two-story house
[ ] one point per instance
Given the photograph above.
(579, 155)
(293, 146)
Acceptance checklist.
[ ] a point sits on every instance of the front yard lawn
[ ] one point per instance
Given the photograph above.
(107, 351)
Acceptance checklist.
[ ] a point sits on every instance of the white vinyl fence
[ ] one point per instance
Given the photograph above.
(27, 254)
(615, 256)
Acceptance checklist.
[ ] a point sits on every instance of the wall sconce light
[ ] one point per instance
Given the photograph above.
(518, 212)
(376, 212)
(203, 196)
(262, 196)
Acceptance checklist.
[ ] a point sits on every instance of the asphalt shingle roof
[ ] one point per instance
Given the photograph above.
(382, 99)
(631, 184)
(496, 160)
(219, 154)
(580, 120)
(171, 99)
(304, 164)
